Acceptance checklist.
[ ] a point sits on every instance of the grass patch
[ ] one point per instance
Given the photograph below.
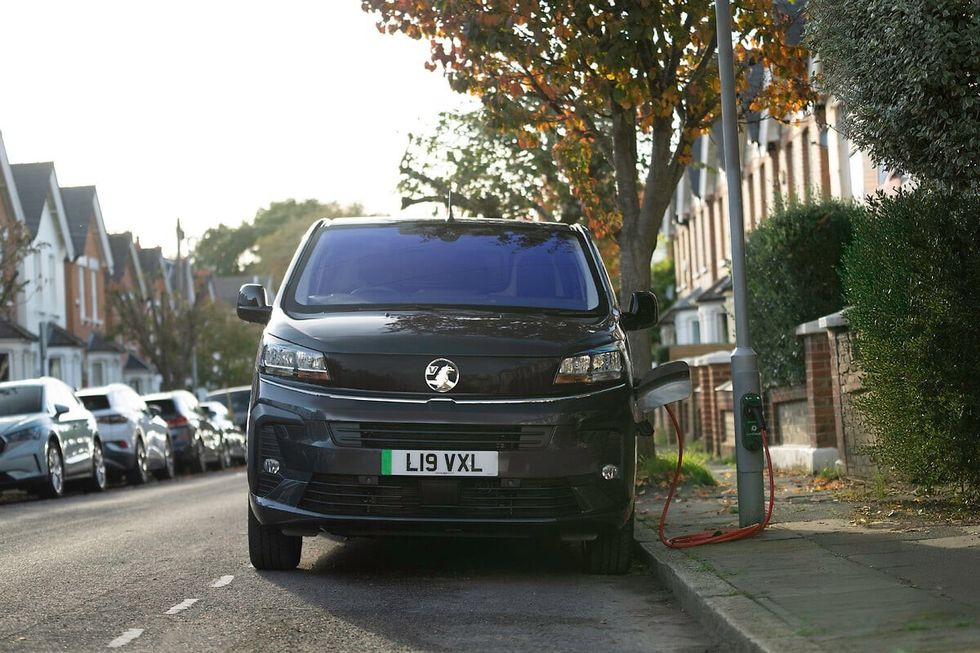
(659, 469)
(828, 474)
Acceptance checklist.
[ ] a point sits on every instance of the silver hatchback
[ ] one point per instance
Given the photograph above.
(134, 437)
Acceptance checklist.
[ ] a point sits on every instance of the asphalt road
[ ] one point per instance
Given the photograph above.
(165, 567)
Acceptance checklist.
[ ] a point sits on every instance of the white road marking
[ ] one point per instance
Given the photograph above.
(221, 582)
(180, 607)
(126, 637)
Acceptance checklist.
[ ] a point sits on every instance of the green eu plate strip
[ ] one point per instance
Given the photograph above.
(386, 462)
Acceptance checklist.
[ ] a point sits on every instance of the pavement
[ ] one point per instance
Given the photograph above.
(830, 574)
(164, 567)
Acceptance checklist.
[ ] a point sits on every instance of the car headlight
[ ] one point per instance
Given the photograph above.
(605, 364)
(30, 433)
(284, 359)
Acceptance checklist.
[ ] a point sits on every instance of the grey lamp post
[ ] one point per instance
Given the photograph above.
(745, 365)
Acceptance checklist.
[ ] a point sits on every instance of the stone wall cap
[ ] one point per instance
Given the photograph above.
(833, 321)
(714, 358)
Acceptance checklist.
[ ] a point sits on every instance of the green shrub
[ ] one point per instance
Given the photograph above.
(659, 469)
(906, 71)
(792, 264)
(912, 274)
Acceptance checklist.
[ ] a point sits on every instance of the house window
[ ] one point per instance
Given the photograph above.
(54, 367)
(98, 373)
(95, 294)
(790, 177)
(882, 175)
(4, 366)
(723, 327)
(52, 282)
(81, 293)
(805, 146)
(695, 332)
(136, 385)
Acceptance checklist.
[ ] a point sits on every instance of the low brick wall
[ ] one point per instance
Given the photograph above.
(818, 416)
(851, 434)
(789, 419)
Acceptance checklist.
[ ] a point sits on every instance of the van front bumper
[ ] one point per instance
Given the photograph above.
(551, 452)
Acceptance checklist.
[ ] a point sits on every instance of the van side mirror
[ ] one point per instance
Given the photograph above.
(644, 311)
(154, 410)
(664, 385)
(60, 409)
(253, 305)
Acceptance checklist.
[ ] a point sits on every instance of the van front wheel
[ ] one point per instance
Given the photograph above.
(610, 553)
(269, 549)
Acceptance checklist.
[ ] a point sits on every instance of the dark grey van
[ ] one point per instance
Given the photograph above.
(467, 377)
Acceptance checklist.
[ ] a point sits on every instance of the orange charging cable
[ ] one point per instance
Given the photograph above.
(722, 534)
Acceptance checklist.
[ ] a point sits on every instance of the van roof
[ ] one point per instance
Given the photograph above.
(385, 220)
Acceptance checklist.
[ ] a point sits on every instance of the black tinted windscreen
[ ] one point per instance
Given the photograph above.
(166, 406)
(445, 264)
(95, 402)
(20, 400)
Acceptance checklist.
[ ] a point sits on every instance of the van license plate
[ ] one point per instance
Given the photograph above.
(399, 462)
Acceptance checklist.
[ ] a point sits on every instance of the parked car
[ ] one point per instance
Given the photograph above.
(236, 401)
(196, 442)
(234, 439)
(467, 377)
(135, 439)
(47, 438)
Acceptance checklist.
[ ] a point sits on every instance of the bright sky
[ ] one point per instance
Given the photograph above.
(209, 110)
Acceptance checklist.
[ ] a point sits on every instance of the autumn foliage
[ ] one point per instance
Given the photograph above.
(632, 81)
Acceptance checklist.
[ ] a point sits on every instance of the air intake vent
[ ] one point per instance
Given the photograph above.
(398, 496)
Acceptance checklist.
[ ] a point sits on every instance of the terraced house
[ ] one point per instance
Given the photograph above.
(86, 277)
(60, 322)
(804, 157)
(41, 309)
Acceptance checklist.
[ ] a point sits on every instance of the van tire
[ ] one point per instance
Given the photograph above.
(269, 549)
(611, 552)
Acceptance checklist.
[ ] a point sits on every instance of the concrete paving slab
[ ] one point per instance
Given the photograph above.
(817, 581)
(954, 542)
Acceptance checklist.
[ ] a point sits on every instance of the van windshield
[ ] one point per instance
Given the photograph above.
(444, 264)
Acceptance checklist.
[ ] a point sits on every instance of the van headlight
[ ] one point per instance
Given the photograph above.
(605, 364)
(286, 359)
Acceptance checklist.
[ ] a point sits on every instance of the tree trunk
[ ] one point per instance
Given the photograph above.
(634, 275)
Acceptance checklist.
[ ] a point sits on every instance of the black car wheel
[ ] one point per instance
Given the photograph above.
(199, 462)
(54, 483)
(169, 469)
(269, 549)
(99, 480)
(224, 454)
(610, 553)
(140, 473)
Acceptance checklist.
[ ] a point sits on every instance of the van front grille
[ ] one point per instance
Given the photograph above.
(440, 437)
